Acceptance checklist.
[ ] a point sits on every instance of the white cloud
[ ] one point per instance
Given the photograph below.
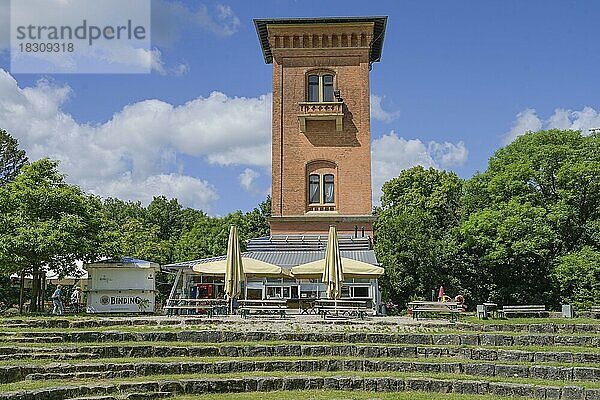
(448, 154)
(527, 120)
(583, 120)
(131, 155)
(247, 180)
(391, 154)
(378, 113)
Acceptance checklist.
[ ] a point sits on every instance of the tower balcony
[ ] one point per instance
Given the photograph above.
(321, 111)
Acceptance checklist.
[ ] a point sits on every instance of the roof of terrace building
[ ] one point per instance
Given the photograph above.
(288, 251)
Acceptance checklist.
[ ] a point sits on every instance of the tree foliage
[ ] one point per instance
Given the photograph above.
(538, 200)
(526, 230)
(12, 159)
(47, 223)
(578, 277)
(414, 232)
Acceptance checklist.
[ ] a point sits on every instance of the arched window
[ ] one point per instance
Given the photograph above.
(314, 189)
(320, 88)
(313, 88)
(328, 192)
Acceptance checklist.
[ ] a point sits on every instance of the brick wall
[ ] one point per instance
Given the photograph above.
(348, 149)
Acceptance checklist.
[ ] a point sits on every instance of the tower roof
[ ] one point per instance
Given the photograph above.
(378, 31)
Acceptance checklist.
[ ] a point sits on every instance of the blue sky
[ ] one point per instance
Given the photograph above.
(457, 80)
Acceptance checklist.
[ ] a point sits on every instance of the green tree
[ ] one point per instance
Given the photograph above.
(12, 159)
(414, 233)
(208, 237)
(511, 245)
(200, 241)
(118, 211)
(578, 277)
(167, 216)
(539, 199)
(46, 223)
(139, 240)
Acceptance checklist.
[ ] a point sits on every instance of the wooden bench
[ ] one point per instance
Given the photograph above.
(595, 310)
(525, 310)
(342, 308)
(433, 307)
(263, 307)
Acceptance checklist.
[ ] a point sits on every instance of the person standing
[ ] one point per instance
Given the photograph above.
(76, 299)
(57, 301)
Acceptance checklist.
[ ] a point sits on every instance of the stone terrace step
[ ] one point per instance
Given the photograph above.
(148, 395)
(265, 384)
(342, 350)
(121, 373)
(49, 356)
(16, 350)
(91, 323)
(33, 339)
(531, 328)
(214, 336)
(110, 371)
(129, 396)
(93, 398)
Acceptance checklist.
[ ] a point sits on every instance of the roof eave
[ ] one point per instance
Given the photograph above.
(380, 23)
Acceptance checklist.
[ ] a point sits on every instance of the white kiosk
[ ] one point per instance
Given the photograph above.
(125, 285)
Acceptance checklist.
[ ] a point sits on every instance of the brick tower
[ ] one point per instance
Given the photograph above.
(321, 121)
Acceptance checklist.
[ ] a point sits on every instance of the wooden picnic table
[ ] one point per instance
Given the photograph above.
(433, 307)
(342, 307)
(196, 306)
(263, 307)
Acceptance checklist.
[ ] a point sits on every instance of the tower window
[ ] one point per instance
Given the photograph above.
(327, 87)
(313, 88)
(320, 88)
(328, 188)
(321, 189)
(314, 189)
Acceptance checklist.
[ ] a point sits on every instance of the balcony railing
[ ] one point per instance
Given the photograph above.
(321, 207)
(331, 110)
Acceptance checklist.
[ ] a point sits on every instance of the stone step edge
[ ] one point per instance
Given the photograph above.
(129, 396)
(266, 384)
(349, 350)
(550, 373)
(476, 339)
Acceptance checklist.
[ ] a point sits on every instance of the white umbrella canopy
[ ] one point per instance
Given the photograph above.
(234, 270)
(252, 267)
(351, 269)
(333, 275)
